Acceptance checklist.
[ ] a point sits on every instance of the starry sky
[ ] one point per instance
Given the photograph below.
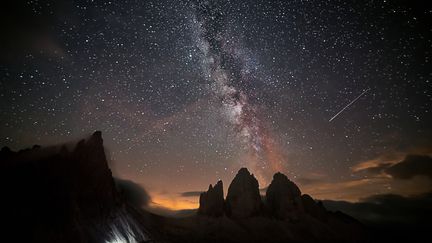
(188, 92)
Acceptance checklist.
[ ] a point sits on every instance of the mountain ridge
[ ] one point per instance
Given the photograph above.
(56, 194)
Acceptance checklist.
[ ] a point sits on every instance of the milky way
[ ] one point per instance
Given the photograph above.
(226, 64)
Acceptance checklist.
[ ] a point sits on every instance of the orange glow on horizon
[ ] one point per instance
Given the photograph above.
(175, 203)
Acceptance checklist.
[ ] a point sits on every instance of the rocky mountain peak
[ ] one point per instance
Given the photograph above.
(282, 185)
(283, 197)
(70, 192)
(212, 201)
(243, 198)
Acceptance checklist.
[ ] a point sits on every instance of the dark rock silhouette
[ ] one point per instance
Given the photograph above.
(57, 195)
(283, 197)
(5, 153)
(243, 199)
(313, 208)
(284, 215)
(212, 201)
(132, 192)
(96, 183)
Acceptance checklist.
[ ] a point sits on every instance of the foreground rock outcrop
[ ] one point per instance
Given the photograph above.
(63, 194)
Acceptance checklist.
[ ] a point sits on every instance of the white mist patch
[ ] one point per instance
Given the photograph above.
(122, 235)
(124, 229)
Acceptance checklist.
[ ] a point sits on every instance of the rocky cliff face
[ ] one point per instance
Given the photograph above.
(283, 200)
(243, 199)
(56, 194)
(283, 197)
(95, 182)
(212, 201)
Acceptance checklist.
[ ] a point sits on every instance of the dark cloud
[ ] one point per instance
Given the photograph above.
(388, 209)
(411, 166)
(191, 194)
(134, 193)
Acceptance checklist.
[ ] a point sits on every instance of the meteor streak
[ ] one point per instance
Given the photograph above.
(352, 102)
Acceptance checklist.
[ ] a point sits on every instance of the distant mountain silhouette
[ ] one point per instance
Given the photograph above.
(56, 194)
(283, 215)
(283, 199)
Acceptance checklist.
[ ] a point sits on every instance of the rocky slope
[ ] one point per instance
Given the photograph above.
(56, 194)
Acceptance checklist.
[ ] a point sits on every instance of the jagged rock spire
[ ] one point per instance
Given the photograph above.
(212, 201)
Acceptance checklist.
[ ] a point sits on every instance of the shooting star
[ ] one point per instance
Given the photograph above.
(352, 102)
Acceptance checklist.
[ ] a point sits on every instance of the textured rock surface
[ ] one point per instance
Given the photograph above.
(212, 201)
(243, 199)
(283, 197)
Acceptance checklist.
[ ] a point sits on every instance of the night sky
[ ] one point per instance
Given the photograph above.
(187, 92)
